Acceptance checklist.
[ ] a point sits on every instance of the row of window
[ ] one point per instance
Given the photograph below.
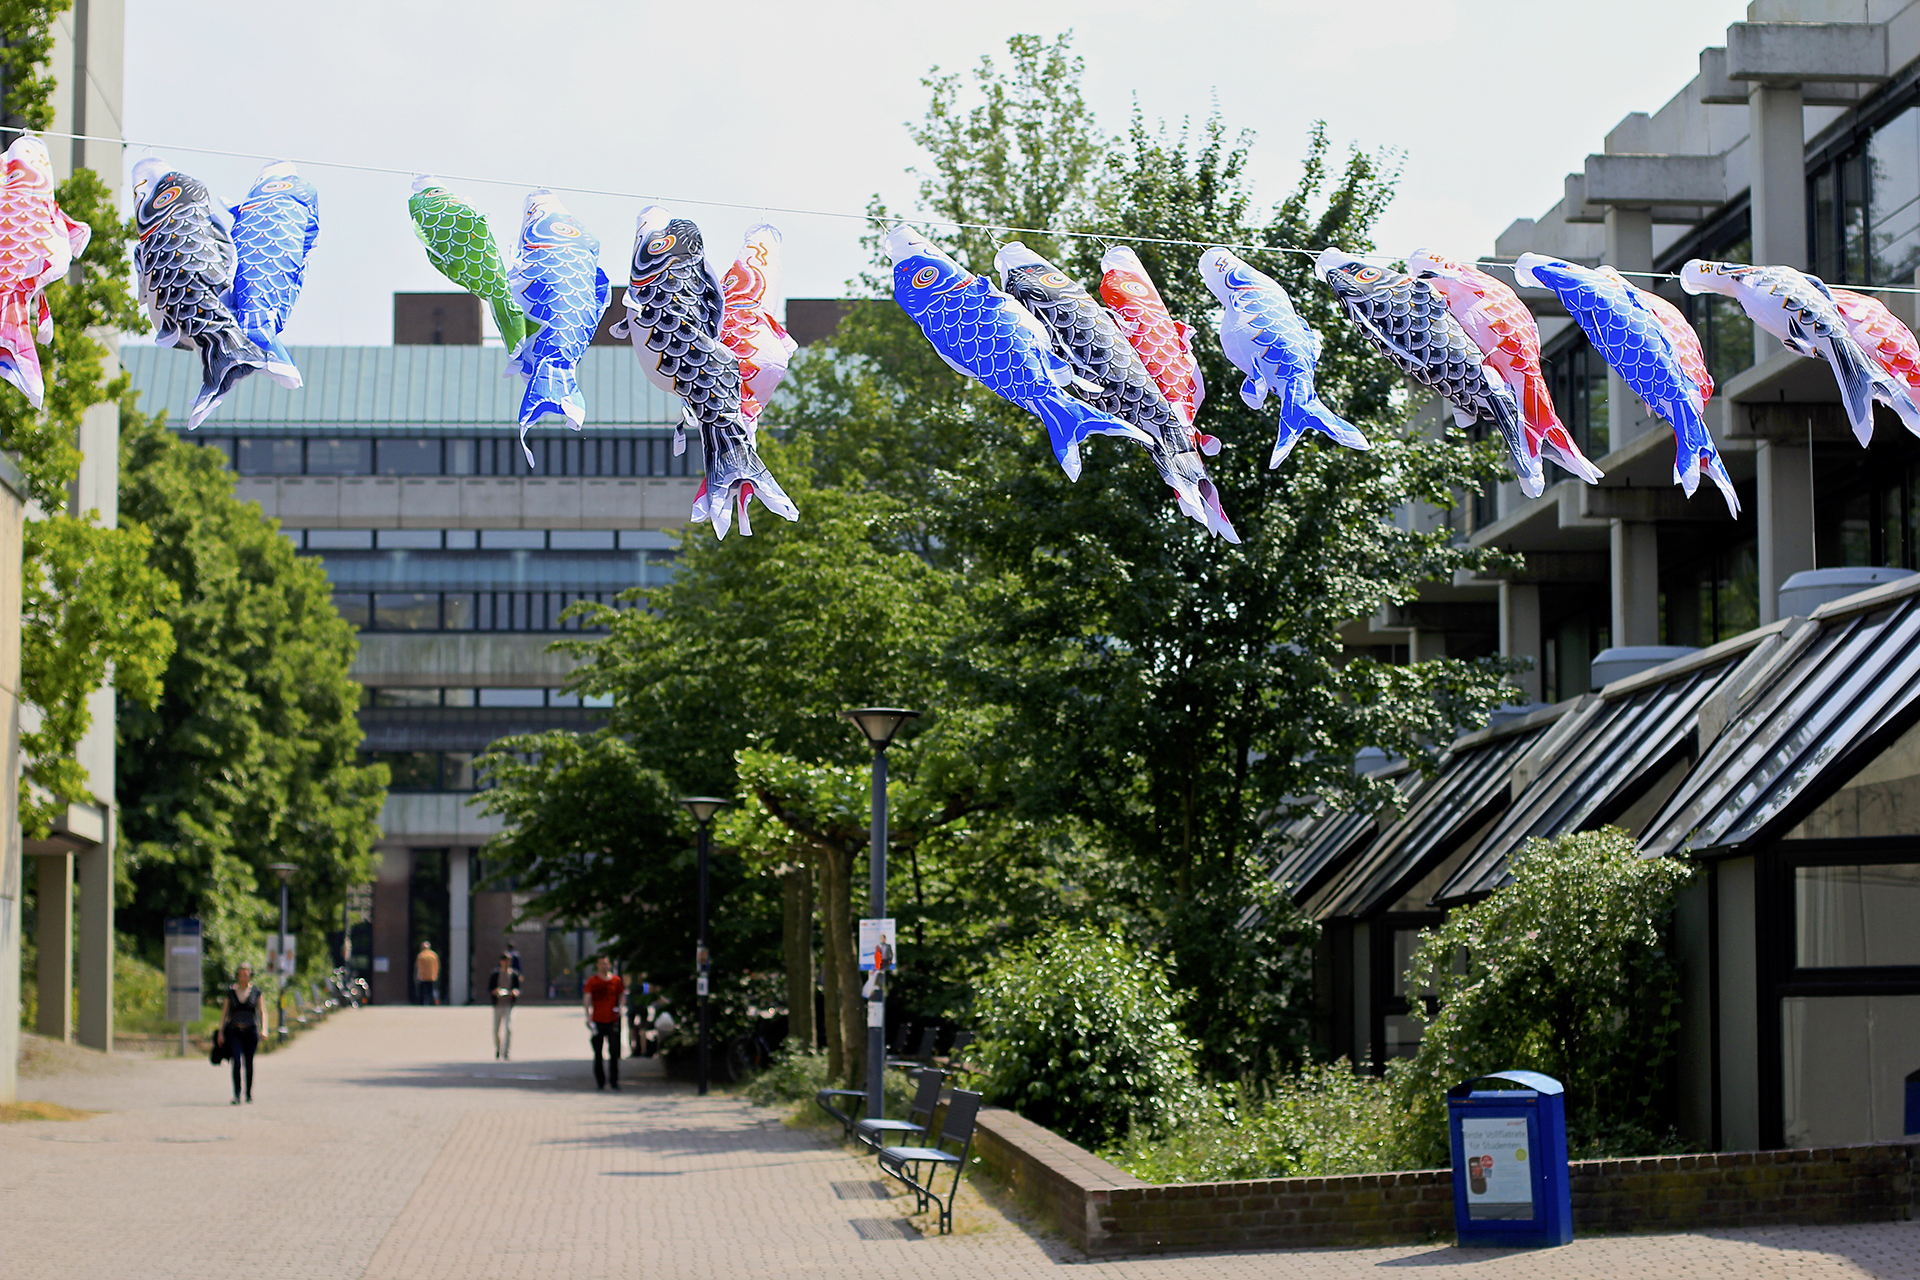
(377, 696)
(468, 610)
(660, 544)
(570, 455)
(1863, 208)
(426, 770)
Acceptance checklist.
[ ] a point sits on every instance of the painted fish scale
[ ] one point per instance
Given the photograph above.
(1680, 334)
(1164, 345)
(461, 247)
(274, 230)
(38, 242)
(1881, 334)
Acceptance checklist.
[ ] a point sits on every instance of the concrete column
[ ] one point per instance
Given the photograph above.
(1520, 636)
(1775, 117)
(95, 950)
(459, 932)
(1739, 1008)
(1784, 519)
(1635, 566)
(53, 937)
(12, 867)
(1629, 249)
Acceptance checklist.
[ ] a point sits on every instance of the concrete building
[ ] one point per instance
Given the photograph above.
(1740, 691)
(401, 469)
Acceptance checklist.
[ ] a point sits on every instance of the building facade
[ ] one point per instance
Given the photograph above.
(456, 556)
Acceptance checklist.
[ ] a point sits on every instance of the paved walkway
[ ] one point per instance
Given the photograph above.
(389, 1144)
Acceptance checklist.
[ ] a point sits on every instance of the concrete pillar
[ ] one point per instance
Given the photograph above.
(12, 867)
(459, 964)
(1520, 635)
(53, 937)
(1738, 970)
(1784, 519)
(1635, 567)
(1629, 249)
(96, 944)
(1777, 147)
(1425, 645)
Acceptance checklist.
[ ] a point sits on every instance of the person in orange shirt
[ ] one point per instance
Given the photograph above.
(426, 968)
(602, 996)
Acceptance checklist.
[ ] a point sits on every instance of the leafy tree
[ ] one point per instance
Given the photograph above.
(1081, 1034)
(89, 603)
(1564, 971)
(250, 755)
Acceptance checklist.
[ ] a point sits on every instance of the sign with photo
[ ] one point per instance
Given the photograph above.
(1499, 1180)
(876, 945)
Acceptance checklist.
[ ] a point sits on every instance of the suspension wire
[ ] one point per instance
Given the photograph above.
(1103, 237)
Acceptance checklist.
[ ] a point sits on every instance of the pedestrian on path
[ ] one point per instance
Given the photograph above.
(239, 1028)
(504, 985)
(426, 968)
(602, 996)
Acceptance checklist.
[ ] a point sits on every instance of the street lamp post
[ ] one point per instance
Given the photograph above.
(284, 870)
(703, 808)
(879, 724)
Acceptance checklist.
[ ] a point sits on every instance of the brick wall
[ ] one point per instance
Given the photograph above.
(1106, 1210)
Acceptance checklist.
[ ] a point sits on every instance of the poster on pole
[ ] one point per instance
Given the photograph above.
(183, 969)
(1499, 1181)
(279, 961)
(876, 945)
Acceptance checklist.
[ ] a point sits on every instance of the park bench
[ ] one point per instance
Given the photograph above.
(922, 1049)
(826, 1098)
(926, 1096)
(905, 1163)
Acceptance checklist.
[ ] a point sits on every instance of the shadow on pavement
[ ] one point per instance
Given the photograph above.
(559, 1075)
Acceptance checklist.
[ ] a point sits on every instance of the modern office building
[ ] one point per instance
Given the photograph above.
(1741, 691)
(400, 468)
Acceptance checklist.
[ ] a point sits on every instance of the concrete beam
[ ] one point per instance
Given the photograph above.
(1648, 506)
(1717, 90)
(1792, 53)
(1544, 568)
(1573, 204)
(1642, 181)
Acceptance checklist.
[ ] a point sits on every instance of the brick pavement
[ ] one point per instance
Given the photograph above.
(389, 1144)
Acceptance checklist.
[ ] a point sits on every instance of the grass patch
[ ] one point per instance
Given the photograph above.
(15, 1112)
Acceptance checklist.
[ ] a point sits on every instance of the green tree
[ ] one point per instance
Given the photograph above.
(1565, 971)
(89, 602)
(250, 755)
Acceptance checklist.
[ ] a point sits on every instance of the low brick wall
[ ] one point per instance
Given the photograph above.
(1106, 1210)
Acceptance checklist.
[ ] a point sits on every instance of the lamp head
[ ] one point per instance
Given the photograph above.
(704, 807)
(284, 870)
(880, 723)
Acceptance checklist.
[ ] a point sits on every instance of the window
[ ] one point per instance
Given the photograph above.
(456, 771)
(1882, 799)
(1726, 332)
(1577, 380)
(457, 611)
(406, 611)
(1844, 1065)
(332, 457)
(1864, 208)
(513, 539)
(268, 456)
(409, 770)
(408, 539)
(1857, 916)
(408, 457)
(405, 697)
(354, 606)
(339, 539)
(1708, 592)
(513, 697)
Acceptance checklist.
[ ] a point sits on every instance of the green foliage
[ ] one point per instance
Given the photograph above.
(794, 1075)
(89, 603)
(1320, 1120)
(251, 754)
(1080, 1033)
(1563, 971)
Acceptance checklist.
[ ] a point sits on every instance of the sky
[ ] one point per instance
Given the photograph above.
(804, 106)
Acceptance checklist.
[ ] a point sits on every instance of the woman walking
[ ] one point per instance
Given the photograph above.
(240, 1028)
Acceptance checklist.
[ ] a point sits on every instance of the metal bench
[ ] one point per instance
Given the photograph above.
(922, 1049)
(926, 1096)
(824, 1098)
(904, 1163)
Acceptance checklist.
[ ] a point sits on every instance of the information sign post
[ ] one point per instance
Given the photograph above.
(1510, 1183)
(183, 974)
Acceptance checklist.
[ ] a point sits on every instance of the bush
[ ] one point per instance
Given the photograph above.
(1319, 1120)
(1563, 971)
(795, 1075)
(1080, 1034)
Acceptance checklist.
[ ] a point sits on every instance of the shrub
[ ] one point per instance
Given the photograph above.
(794, 1075)
(1319, 1120)
(1563, 971)
(1080, 1034)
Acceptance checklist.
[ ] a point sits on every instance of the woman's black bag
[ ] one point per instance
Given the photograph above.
(217, 1054)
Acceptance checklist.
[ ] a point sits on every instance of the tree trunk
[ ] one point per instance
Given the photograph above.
(831, 963)
(796, 885)
(839, 942)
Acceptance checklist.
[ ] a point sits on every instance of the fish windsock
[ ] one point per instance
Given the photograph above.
(676, 318)
(1631, 339)
(1165, 344)
(750, 329)
(1112, 377)
(273, 232)
(558, 283)
(1266, 339)
(461, 247)
(38, 242)
(982, 333)
(1686, 343)
(1503, 329)
(184, 262)
(1881, 335)
(1409, 323)
(1799, 310)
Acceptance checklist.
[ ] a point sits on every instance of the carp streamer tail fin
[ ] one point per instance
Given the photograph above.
(19, 358)
(1071, 421)
(226, 356)
(552, 389)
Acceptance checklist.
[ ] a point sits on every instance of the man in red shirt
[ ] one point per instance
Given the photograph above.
(602, 996)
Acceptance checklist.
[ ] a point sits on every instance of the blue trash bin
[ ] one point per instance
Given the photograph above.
(1510, 1184)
